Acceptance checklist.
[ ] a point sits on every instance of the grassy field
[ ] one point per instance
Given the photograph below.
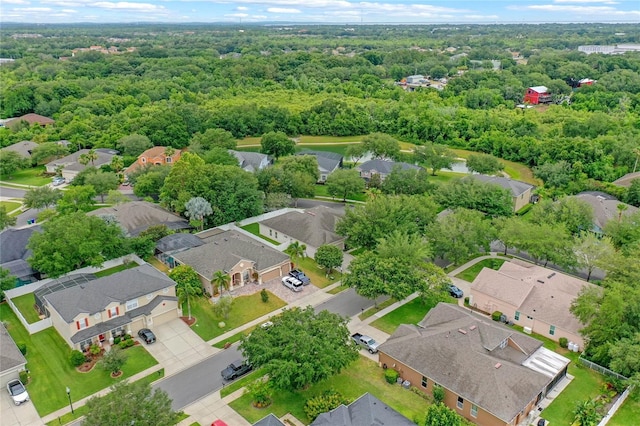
(32, 176)
(243, 310)
(321, 190)
(515, 170)
(410, 313)
(119, 268)
(10, 205)
(48, 361)
(362, 376)
(25, 304)
(444, 176)
(629, 413)
(254, 228)
(340, 148)
(472, 272)
(316, 273)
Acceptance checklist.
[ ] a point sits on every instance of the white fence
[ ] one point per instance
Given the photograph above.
(600, 369)
(615, 406)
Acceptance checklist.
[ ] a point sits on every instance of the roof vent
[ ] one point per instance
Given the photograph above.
(473, 327)
(540, 281)
(462, 331)
(498, 365)
(552, 275)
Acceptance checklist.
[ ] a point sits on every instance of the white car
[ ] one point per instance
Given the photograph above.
(292, 283)
(58, 181)
(17, 391)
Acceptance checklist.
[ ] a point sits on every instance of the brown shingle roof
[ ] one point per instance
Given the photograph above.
(32, 119)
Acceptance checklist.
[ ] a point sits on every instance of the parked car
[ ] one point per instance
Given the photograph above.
(299, 275)
(218, 423)
(455, 291)
(292, 283)
(266, 324)
(235, 370)
(147, 335)
(58, 181)
(17, 391)
(366, 342)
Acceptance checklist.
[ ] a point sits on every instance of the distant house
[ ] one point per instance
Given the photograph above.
(30, 119)
(313, 227)
(154, 156)
(605, 208)
(23, 148)
(364, 411)
(520, 191)
(138, 216)
(491, 374)
(382, 168)
(251, 161)
(11, 359)
(71, 166)
(244, 259)
(328, 162)
(415, 79)
(86, 310)
(625, 181)
(14, 254)
(531, 296)
(537, 95)
(586, 82)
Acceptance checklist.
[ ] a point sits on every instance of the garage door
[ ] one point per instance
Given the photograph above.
(164, 317)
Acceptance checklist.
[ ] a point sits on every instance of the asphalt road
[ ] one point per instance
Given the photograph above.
(12, 192)
(348, 303)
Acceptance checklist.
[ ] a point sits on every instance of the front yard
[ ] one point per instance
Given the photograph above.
(243, 310)
(51, 372)
(32, 176)
(317, 274)
(410, 313)
(362, 376)
(472, 272)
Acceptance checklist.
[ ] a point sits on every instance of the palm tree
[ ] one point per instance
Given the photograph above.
(221, 280)
(185, 293)
(88, 157)
(296, 251)
(621, 209)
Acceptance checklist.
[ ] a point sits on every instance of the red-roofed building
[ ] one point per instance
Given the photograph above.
(537, 95)
(155, 156)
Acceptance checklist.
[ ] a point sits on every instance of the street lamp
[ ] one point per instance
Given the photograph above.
(69, 395)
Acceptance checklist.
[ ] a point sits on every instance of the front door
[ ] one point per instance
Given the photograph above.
(101, 338)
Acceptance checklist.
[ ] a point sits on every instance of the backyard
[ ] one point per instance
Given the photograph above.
(10, 206)
(254, 228)
(50, 369)
(113, 270)
(472, 272)
(629, 413)
(362, 376)
(410, 313)
(25, 305)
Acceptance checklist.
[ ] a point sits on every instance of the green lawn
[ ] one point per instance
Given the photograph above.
(311, 140)
(339, 149)
(25, 305)
(362, 376)
(254, 228)
(10, 205)
(32, 176)
(410, 313)
(376, 308)
(472, 272)
(233, 339)
(317, 274)
(48, 361)
(338, 289)
(321, 190)
(157, 264)
(629, 413)
(444, 176)
(242, 382)
(515, 170)
(115, 269)
(243, 310)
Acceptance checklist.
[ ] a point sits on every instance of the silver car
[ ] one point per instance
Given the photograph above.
(17, 391)
(292, 283)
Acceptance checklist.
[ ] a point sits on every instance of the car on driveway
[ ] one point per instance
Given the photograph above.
(235, 369)
(147, 335)
(299, 275)
(455, 291)
(17, 391)
(292, 283)
(218, 423)
(58, 181)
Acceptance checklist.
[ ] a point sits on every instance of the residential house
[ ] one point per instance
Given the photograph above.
(174, 243)
(14, 254)
(70, 165)
(415, 79)
(29, 119)
(312, 227)
(625, 181)
(156, 156)
(364, 411)
(11, 359)
(23, 148)
(86, 310)
(521, 192)
(328, 162)
(244, 259)
(251, 161)
(605, 208)
(382, 168)
(491, 374)
(138, 216)
(269, 420)
(531, 296)
(537, 95)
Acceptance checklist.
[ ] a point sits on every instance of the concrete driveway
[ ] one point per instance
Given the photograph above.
(18, 415)
(177, 346)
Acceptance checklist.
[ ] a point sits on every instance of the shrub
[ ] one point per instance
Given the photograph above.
(496, 315)
(122, 344)
(113, 360)
(327, 401)
(564, 342)
(76, 358)
(126, 337)
(466, 301)
(260, 391)
(130, 342)
(24, 377)
(23, 347)
(391, 375)
(264, 295)
(438, 394)
(116, 340)
(95, 350)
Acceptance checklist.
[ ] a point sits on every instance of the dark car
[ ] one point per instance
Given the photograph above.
(147, 335)
(299, 275)
(455, 291)
(235, 369)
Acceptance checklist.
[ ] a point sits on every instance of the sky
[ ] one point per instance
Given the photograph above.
(319, 11)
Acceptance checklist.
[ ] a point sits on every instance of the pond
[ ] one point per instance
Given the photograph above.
(458, 167)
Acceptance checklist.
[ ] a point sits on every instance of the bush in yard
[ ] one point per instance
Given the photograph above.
(116, 340)
(438, 394)
(113, 360)
(95, 350)
(24, 377)
(126, 337)
(264, 295)
(391, 376)
(223, 306)
(564, 342)
(496, 315)
(23, 347)
(76, 358)
(260, 391)
(327, 401)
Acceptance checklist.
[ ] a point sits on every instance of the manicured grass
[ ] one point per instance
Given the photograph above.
(316, 273)
(444, 176)
(249, 141)
(242, 382)
(254, 228)
(629, 413)
(119, 268)
(243, 310)
(515, 170)
(375, 309)
(233, 339)
(321, 190)
(361, 376)
(410, 313)
(157, 264)
(339, 148)
(48, 361)
(10, 206)
(338, 289)
(472, 272)
(25, 305)
(32, 176)
(311, 140)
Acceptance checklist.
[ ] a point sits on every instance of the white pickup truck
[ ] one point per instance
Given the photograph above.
(366, 341)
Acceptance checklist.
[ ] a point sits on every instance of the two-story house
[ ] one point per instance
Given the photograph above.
(156, 156)
(87, 310)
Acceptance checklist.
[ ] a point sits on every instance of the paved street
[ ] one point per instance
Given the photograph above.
(348, 303)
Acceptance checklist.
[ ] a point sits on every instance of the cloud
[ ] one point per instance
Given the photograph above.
(242, 8)
(122, 5)
(283, 10)
(586, 1)
(16, 2)
(236, 15)
(32, 9)
(69, 11)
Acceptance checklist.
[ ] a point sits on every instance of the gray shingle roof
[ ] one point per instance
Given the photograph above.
(10, 355)
(384, 167)
(327, 161)
(137, 216)
(626, 180)
(461, 362)
(364, 411)
(177, 242)
(515, 186)
(223, 251)
(249, 161)
(70, 162)
(314, 227)
(14, 243)
(269, 420)
(23, 148)
(605, 207)
(92, 297)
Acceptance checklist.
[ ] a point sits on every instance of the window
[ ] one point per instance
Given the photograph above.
(114, 312)
(552, 330)
(132, 304)
(474, 410)
(144, 160)
(424, 382)
(82, 324)
(270, 232)
(276, 234)
(460, 403)
(517, 316)
(503, 344)
(168, 159)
